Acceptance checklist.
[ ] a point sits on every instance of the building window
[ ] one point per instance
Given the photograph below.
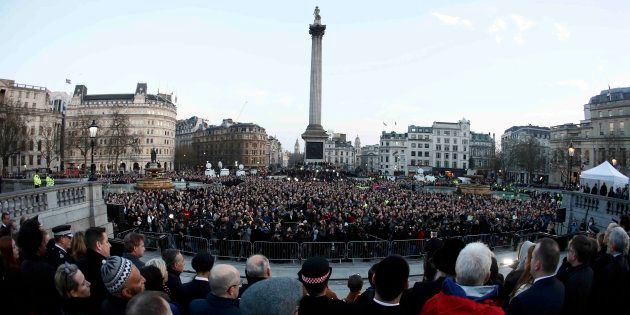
(30, 160)
(413, 145)
(609, 113)
(426, 145)
(611, 128)
(454, 156)
(437, 163)
(454, 164)
(446, 164)
(622, 128)
(438, 155)
(413, 153)
(446, 155)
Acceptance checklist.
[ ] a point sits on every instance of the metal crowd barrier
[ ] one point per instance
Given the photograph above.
(121, 235)
(328, 250)
(232, 249)
(368, 249)
(191, 244)
(278, 251)
(292, 251)
(407, 248)
(156, 241)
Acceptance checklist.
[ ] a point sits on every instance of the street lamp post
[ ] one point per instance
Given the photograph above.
(571, 153)
(93, 130)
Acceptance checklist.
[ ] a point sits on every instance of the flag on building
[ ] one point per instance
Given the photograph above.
(384, 124)
(68, 81)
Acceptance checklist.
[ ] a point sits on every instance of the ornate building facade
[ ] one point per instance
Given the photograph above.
(482, 152)
(274, 147)
(232, 143)
(185, 156)
(603, 135)
(339, 152)
(130, 125)
(43, 119)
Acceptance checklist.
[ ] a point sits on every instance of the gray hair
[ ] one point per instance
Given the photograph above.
(618, 238)
(473, 264)
(273, 296)
(170, 256)
(222, 277)
(160, 264)
(256, 266)
(149, 303)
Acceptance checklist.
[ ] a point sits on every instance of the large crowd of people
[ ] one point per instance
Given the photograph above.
(305, 210)
(76, 272)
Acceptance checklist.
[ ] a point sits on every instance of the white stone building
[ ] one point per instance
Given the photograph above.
(43, 126)
(274, 148)
(516, 135)
(603, 135)
(150, 118)
(369, 158)
(393, 154)
(339, 152)
(451, 144)
(420, 150)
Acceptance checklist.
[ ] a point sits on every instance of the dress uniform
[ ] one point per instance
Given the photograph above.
(56, 254)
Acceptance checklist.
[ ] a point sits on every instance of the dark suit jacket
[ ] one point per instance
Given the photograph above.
(413, 299)
(174, 283)
(90, 266)
(613, 288)
(38, 283)
(195, 289)
(578, 284)
(545, 297)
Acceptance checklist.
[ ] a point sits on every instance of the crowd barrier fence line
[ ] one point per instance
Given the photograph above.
(294, 251)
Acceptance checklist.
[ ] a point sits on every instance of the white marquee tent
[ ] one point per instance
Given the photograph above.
(603, 173)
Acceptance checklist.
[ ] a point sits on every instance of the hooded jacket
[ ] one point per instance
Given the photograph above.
(457, 299)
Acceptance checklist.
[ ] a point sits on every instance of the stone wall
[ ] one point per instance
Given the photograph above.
(80, 204)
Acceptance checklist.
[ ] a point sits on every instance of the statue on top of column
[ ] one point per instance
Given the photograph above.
(318, 18)
(153, 155)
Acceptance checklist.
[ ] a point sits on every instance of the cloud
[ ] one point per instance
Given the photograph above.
(519, 40)
(499, 25)
(580, 84)
(452, 20)
(561, 31)
(498, 28)
(522, 23)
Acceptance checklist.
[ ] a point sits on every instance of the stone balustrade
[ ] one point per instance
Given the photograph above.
(78, 204)
(603, 210)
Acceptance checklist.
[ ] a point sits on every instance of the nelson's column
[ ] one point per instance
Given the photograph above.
(314, 136)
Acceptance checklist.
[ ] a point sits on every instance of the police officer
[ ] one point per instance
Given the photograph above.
(57, 253)
(37, 181)
(49, 181)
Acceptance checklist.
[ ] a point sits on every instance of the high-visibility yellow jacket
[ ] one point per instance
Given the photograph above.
(36, 180)
(50, 181)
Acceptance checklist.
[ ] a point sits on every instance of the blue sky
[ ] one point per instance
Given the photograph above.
(497, 63)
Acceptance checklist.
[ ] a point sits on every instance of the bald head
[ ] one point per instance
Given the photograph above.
(257, 266)
(225, 281)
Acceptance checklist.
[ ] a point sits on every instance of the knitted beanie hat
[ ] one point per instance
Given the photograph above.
(115, 271)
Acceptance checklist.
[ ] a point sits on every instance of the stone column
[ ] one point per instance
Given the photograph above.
(314, 136)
